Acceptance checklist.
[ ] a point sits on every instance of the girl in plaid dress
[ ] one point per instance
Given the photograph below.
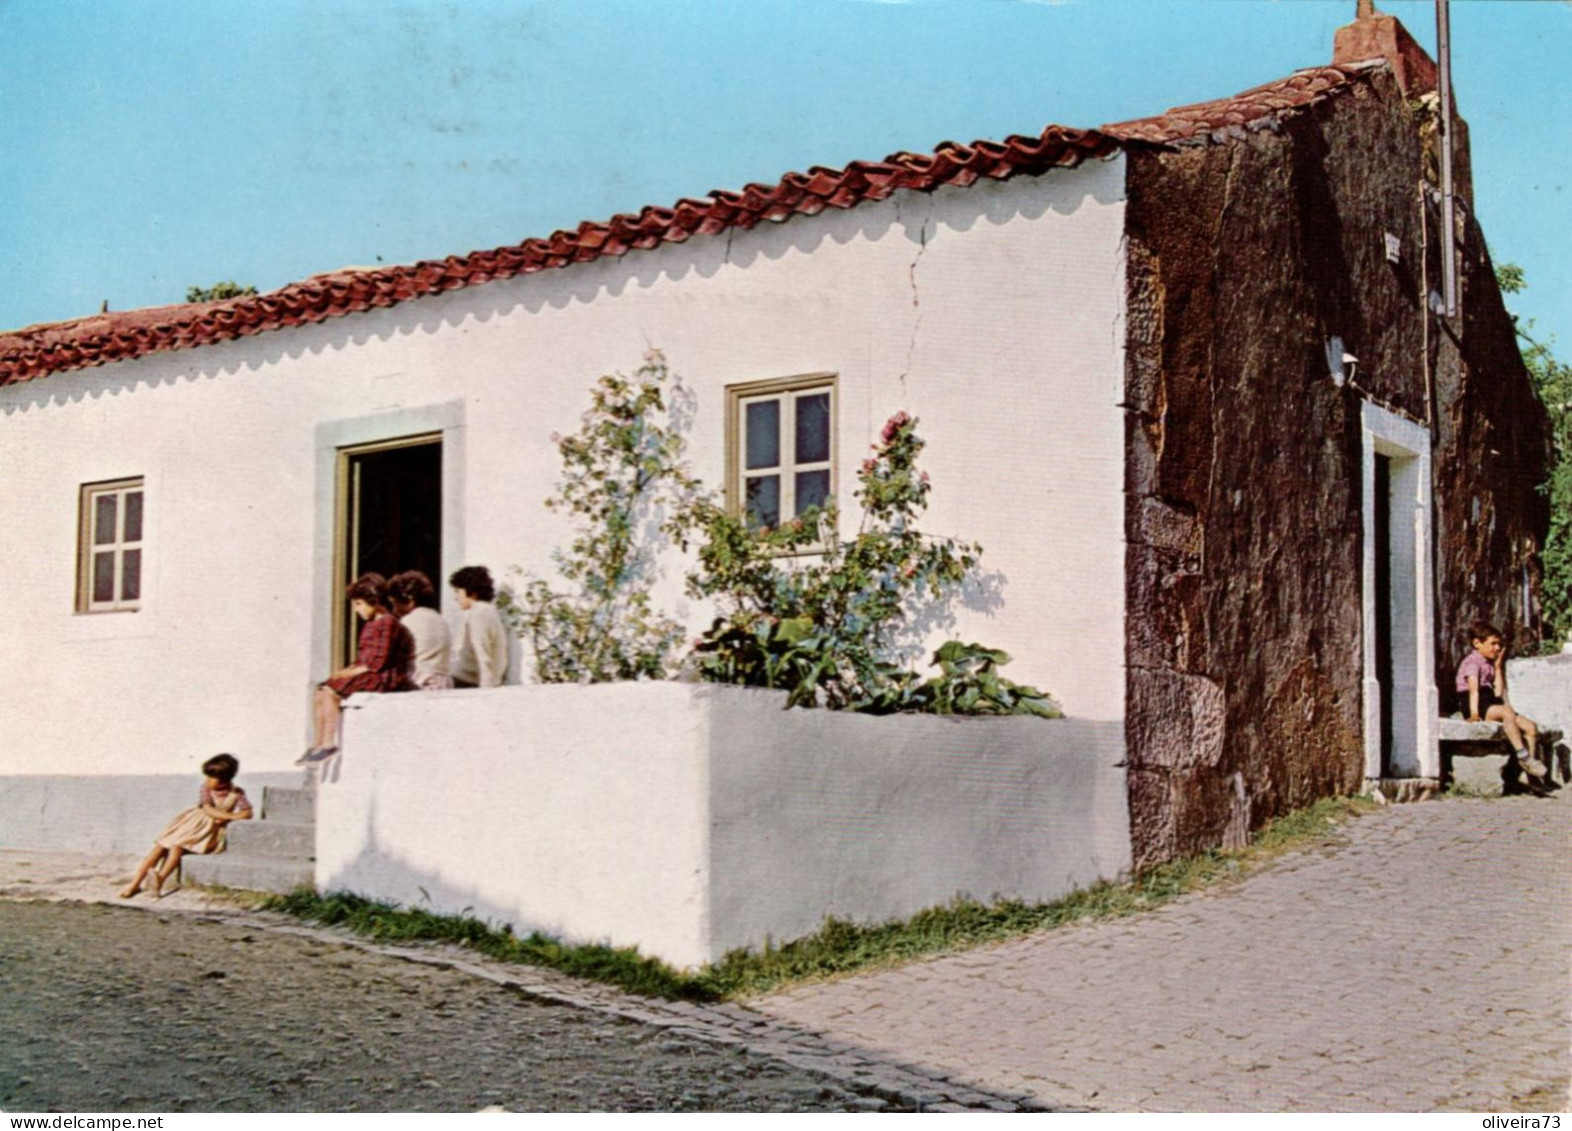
(387, 652)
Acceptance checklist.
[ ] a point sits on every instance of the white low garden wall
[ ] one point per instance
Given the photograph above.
(1541, 688)
(690, 819)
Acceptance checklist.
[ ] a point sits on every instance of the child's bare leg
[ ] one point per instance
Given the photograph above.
(1508, 719)
(141, 873)
(1530, 731)
(327, 718)
(169, 868)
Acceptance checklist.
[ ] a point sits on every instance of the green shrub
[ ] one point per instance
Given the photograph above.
(805, 611)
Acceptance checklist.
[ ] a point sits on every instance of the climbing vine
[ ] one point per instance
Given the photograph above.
(628, 490)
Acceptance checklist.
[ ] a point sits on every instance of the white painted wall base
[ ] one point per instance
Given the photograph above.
(107, 814)
(689, 819)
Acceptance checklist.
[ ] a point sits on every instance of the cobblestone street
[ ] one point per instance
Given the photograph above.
(109, 1009)
(1418, 962)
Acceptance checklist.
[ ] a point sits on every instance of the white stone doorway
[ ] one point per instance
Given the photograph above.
(1401, 705)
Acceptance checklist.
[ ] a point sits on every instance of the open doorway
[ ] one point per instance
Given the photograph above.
(389, 518)
(1400, 695)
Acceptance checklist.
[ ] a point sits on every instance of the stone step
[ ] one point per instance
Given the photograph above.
(287, 840)
(294, 806)
(1402, 790)
(251, 875)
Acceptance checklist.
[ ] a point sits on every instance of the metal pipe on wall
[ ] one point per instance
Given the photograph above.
(1448, 209)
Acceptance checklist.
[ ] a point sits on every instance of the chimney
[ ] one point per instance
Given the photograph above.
(1377, 35)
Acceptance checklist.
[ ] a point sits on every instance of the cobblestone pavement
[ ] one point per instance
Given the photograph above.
(199, 1006)
(1419, 961)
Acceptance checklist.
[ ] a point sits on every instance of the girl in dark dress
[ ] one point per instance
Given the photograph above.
(387, 652)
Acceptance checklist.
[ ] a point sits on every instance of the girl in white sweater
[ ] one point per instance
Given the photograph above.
(415, 603)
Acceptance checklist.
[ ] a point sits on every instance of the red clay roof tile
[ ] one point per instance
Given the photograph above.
(37, 351)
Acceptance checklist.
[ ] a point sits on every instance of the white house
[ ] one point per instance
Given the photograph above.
(189, 488)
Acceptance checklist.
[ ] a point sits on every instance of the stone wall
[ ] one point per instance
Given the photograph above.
(1243, 504)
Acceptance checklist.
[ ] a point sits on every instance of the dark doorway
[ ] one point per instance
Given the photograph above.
(390, 519)
(1382, 521)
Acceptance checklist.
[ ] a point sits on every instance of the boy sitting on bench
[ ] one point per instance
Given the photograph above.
(1481, 687)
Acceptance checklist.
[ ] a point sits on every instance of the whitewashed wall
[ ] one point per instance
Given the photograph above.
(1541, 688)
(690, 819)
(991, 312)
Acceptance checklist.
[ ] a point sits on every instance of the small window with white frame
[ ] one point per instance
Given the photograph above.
(109, 575)
(781, 447)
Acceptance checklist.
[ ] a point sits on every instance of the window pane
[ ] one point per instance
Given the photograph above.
(133, 517)
(813, 489)
(103, 519)
(131, 575)
(764, 434)
(763, 500)
(104, 577)
(813, 428)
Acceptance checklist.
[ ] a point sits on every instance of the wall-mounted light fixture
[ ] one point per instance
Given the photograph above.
(1341, 364)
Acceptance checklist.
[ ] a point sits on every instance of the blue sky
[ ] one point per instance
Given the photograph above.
(148, 147)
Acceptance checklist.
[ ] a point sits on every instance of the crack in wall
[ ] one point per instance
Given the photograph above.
(911, 277)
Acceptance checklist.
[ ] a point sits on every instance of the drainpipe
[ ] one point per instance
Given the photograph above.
(1448, 210)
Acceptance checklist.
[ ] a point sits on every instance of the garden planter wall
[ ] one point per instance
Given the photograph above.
(690, 819)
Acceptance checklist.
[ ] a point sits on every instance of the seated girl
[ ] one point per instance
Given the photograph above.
(199, 829)
(415, 601)
(387, 652)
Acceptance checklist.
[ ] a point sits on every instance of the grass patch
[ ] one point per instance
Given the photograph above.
(1455, 788)
(838, 947)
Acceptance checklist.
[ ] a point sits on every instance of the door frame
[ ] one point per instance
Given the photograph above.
(331, 440)
(1416, 705)
(346, 532)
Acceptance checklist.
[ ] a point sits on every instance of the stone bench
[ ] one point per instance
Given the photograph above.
(1487, 763)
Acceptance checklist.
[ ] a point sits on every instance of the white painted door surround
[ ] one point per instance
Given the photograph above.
(1408, 602)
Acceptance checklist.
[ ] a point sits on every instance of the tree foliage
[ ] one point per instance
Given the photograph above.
(226, 289)
(1553, 381)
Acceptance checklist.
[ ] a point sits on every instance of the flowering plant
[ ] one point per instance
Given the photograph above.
(825, 627)
(626, 485)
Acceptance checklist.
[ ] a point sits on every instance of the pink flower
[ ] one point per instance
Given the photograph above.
(556, 437)
(923, 479)
(894, 425)
(868, 465)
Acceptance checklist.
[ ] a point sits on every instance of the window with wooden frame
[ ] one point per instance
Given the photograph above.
(109, 549)
(780, 447)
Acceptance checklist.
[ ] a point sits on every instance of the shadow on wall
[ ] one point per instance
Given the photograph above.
(918, 218)
(419, 889)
